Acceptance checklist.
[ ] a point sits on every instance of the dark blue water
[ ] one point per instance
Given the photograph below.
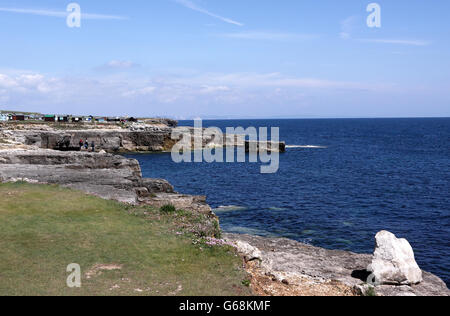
(372, 175)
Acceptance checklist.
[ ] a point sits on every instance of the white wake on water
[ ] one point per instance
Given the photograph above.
(306, 146)
(229, 208)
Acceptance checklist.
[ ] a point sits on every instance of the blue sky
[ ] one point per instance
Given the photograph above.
(226, 58)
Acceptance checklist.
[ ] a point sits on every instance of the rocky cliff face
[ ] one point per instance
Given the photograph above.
(108, 140)
(107, 176)
(104, 175)
(153, 136)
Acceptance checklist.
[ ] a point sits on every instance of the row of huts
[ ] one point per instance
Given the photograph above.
(63, 118)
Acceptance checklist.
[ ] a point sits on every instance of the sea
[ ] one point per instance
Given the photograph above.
(339, 182)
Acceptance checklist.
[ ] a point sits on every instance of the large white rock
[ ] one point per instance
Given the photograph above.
(393, 261)
(250, 253)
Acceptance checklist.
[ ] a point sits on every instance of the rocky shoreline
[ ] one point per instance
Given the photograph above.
(287, 267)
(277, 266)
(137, 137)
(108, 176)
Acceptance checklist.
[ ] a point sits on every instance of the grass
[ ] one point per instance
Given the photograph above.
(370, 292)
(45, 228)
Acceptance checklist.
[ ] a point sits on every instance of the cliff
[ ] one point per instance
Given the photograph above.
(104, 175)
(149, 137)
(154, 139)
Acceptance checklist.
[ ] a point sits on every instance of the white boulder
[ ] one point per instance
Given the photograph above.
(393, 261)
(250, 253)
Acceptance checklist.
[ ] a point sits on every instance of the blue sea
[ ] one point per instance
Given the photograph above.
(339, 183)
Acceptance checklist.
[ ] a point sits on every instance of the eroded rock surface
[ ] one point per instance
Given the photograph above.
(108, 176)
(291, 262)
(155, 135)
(104, 175)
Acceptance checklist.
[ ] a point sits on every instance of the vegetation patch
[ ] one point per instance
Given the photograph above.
(168, 209)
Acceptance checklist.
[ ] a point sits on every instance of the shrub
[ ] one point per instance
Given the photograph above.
(246, 283)
(168, 209)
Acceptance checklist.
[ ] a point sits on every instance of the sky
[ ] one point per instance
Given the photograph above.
(226, 58)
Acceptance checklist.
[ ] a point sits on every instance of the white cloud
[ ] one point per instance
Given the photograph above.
(214, 89)
(272, 36)
(139, 92)
(120, 64)
(206, 83)
(62, 14)
(397, 42)
(6, 81)
(269, 80)
(190, 5)
(117, 65)
(236, 94)
(180, 94)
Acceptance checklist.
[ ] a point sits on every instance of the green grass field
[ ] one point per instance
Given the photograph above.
(44, 228)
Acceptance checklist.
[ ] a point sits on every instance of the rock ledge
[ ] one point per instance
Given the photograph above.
(294, 263)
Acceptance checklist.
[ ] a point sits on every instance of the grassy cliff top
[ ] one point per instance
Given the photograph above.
(122, 250)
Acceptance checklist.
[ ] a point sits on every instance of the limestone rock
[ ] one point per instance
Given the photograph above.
(394, 262)
(157, 186)
(108, 176)
(196, 204)
(250, 253)
(104, 175)
(152, 136)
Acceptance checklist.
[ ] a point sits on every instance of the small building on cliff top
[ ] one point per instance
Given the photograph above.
(63, 118)
(77, 119)
(49, 118)
(18, 117)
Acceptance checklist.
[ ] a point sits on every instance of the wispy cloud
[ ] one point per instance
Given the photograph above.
(121, 64)
(228, 88)
(271, 36)
(347, 27)
(351, 23)
(190, 5)
(62, 14)
(117, 65)
(396, 41)
(196, 94)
